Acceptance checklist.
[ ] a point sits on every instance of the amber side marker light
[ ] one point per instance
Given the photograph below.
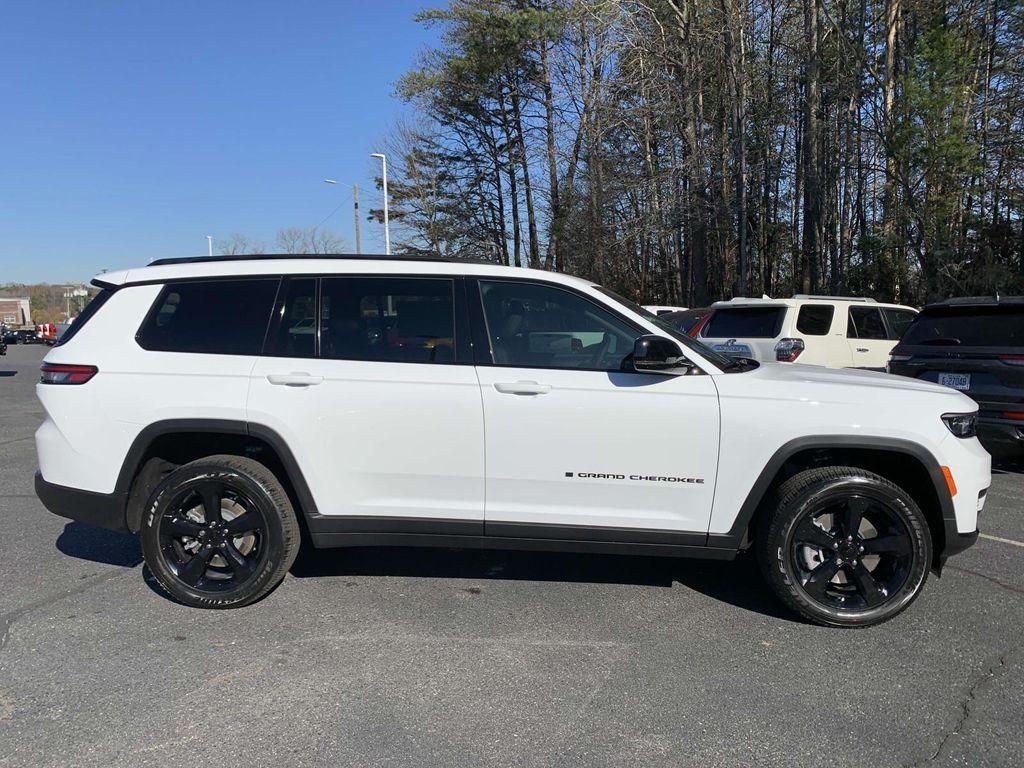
(949, 480)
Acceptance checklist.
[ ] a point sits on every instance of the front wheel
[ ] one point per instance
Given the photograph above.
(844, 547)
(219, 532)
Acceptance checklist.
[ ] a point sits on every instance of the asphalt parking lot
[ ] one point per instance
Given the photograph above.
(439, 657)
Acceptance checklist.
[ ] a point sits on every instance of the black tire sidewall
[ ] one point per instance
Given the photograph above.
(273, 540)
(777, 560)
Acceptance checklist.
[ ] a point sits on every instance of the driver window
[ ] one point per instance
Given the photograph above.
(541, 326)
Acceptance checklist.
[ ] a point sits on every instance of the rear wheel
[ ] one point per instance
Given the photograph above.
(219, 532)
(844, 547)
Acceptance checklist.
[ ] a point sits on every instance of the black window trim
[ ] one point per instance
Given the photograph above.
(472, 345)
(165, 286)
(482, 343)
(463, 351)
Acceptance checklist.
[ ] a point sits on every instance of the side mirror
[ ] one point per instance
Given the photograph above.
(656, 354)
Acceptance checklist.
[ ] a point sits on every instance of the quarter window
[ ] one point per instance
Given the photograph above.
(866, 323)
(815, 319)
(226, 317)
(387, 319)
(541, 326)
(899, 320)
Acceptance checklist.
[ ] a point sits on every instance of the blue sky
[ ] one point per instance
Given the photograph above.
(131, 130)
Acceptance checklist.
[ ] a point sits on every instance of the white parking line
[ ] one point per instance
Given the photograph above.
(1001, 539)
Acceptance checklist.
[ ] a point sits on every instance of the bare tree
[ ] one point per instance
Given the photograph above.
(295, 240)
(687, 150)
(238, 245)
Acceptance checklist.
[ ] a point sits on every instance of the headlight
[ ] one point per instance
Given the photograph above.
(962, 425)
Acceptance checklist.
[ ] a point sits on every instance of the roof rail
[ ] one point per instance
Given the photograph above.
(834, 298)
(286, 256)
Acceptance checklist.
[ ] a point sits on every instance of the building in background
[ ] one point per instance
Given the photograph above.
(15, 311)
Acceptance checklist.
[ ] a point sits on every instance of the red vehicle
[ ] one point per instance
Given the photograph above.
(689, 321)
(47, 333)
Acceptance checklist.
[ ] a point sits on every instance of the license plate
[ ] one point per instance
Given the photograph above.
(955, 380)
(736, 350)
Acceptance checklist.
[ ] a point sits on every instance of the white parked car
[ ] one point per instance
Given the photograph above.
(662, 309)
(218, 406)
(833, 331)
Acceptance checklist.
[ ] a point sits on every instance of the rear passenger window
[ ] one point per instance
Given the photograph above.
(866, 323)
(815, 319)
(387, 319)
(226, 317)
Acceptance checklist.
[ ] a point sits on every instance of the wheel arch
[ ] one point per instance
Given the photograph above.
(903, 462)
(165, 444)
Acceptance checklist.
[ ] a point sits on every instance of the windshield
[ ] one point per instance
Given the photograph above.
(715, 358)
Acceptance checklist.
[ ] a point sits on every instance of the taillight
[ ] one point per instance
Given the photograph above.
(1012, 359)
(56, 373)
(1016, 415)
(788, 350)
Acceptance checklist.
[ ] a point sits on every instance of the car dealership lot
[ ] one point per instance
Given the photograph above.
(436, 657)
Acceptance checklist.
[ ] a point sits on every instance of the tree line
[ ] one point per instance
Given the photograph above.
(682, 151)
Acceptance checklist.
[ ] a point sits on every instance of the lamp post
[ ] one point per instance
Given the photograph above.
(72, 292)
(384, 176)
(355, 210)
(209, 245)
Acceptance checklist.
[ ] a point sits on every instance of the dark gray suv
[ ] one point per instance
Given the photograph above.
(975, 345)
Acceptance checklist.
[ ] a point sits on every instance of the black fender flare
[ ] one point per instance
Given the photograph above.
(133, 459)
(733, 539)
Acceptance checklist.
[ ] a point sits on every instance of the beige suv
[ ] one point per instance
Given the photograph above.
(832, 331)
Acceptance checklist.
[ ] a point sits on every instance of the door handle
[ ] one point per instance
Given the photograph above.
(862, 349)
(294, 379)
(523, 388)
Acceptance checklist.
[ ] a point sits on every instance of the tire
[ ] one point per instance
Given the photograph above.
(843, 547)
(219, 532)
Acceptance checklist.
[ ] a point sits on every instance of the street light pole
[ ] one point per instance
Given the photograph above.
(384, 177)
(209, 245)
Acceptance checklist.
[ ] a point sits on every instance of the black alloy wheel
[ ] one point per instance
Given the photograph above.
(219, 532)
(851, 553)
(212, 536)
(844, 547)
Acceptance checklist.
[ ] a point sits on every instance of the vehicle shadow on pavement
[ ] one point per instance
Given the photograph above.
(737, 583)
(99, 546)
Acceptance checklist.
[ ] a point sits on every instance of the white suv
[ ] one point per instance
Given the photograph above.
(222, 406)
(833, 331)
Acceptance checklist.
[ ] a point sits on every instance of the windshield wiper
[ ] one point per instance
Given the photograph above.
(942, 341)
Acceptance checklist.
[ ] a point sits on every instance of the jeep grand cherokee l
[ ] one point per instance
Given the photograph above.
(219, 406)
